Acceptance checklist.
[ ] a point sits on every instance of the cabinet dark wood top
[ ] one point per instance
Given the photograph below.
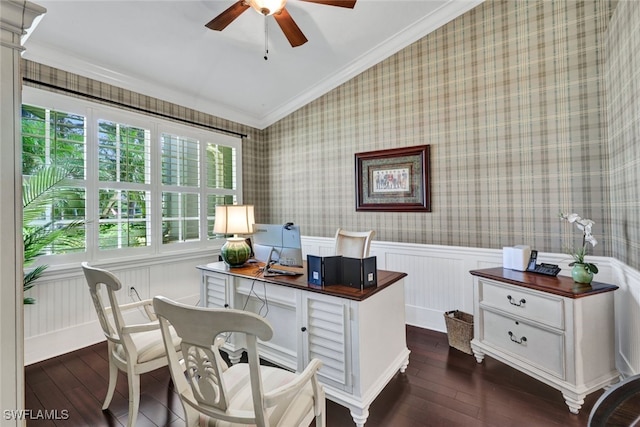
(558, 285)
(254, 271)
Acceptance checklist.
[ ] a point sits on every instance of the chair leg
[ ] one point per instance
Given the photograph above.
(191, 416)
(134, 396)
(113, 379)
(321, 414)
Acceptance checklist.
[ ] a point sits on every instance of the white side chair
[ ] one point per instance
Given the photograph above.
(133, 349)
(245, 393)
(353, 244)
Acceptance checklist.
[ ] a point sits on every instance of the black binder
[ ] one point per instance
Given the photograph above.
(324, 271)
(359, 272)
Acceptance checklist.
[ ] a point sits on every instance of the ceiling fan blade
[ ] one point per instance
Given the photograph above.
(221, 21)
(290, 28)
(340, 3)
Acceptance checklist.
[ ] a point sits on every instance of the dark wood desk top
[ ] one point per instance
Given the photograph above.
(253, 271)
(558, 285)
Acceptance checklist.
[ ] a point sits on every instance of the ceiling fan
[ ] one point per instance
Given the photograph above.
(279, 12)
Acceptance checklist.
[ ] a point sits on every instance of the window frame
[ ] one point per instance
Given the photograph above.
(93, 112)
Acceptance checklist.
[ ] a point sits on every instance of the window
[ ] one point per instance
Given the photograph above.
(54, 138)
(124, 193)
(222, 185)
(123, 219)
(140, 184)
(180, 183)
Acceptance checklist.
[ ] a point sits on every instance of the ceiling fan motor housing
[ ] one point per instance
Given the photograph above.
(267, 7)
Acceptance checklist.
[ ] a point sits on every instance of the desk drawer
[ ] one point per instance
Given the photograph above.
(541, 348)
(524, 303)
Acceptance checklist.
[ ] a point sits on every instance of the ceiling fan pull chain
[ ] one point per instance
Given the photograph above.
(266, 38)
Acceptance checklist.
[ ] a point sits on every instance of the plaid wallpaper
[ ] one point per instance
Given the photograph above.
(511, 97)
(623, 108)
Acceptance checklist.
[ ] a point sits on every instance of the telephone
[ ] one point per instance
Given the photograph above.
(546, 269)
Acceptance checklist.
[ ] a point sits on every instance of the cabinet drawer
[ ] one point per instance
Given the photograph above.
(524, 303)
(541, 348)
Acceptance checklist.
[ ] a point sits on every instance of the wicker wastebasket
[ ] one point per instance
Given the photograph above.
(459, 330)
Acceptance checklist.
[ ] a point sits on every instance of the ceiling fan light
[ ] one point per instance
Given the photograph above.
(267, 7)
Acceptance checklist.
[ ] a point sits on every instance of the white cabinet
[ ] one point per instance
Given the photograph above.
(550, 328)
(359, 336)
(325, 335)
(214, 290)
(276, 303)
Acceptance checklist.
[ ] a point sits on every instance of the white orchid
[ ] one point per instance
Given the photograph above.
(570, 217)
(584, 225)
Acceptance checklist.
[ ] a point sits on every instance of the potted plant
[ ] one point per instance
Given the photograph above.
(582, 271)
(37, 197)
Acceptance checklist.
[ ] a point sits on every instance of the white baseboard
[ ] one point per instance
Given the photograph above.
(45, 346)
(425, 318)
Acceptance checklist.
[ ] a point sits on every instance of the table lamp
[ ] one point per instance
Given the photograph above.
(234, 219)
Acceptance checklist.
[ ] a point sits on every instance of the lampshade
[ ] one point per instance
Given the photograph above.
(267, 7)
(234, 219)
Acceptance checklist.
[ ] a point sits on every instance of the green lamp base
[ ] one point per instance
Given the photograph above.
(235, 252)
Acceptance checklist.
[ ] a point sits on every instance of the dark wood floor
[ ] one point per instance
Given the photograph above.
(442, 387)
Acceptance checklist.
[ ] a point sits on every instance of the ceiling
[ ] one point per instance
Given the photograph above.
(162, 49)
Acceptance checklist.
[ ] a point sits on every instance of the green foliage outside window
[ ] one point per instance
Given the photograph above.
(52, 138)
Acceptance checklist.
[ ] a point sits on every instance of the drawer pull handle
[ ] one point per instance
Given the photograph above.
(515, 340)
(517, 304)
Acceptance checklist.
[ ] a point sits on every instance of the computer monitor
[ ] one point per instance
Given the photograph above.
(279, 243)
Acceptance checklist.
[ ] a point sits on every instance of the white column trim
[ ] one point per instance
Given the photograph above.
(15, 16)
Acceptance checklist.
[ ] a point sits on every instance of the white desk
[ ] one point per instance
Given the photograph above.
(360, 336)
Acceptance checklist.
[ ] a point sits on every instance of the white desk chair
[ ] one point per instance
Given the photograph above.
(245, 393)
(353, 244)
(133, 349)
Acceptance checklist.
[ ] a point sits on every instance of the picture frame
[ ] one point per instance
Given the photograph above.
(393, 180)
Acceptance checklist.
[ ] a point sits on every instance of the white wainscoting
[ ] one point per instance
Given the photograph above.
(63, 318)
(627, 307)
(437, 280)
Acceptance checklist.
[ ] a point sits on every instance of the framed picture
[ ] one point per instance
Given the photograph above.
(395, 180)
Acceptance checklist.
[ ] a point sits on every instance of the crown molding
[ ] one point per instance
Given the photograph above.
(15, 18)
